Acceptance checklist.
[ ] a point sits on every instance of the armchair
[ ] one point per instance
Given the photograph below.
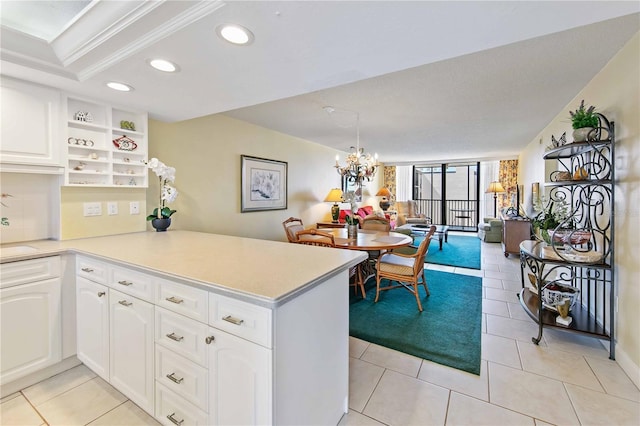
(408, 213)
(490, 230)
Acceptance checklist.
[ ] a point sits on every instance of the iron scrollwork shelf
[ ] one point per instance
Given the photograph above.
(581, 253)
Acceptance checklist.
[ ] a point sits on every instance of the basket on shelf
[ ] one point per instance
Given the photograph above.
(567, 236)
(555, 293)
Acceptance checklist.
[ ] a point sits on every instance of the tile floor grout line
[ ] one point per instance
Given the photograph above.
(34, 408)
(108, 411)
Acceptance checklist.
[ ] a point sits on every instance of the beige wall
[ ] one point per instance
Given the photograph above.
(75, 225)
(206, 154)
(615, 92)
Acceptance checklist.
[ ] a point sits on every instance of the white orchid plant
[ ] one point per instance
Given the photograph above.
(350, 197)
(168, 193)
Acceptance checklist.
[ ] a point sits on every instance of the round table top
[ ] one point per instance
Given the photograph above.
(369, 239)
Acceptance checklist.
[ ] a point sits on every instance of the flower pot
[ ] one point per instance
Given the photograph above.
(581, 135)
(352, 231)
(161, 225)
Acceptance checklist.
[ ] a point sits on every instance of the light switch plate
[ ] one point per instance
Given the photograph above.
(134, 207)
(112, 208)
(92, 209)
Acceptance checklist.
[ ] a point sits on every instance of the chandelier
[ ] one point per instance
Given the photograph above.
(359, 166)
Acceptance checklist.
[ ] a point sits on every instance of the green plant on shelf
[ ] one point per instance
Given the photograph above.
(584, 117)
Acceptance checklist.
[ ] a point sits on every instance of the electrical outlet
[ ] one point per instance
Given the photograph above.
(92, 209)
(112, 208)
(134, 207)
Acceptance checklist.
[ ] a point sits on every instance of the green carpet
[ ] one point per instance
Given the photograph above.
(460, 251)
(446, 332)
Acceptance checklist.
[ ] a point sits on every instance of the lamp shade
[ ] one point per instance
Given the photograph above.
(334, 196)
(494, 187)
(383, 192)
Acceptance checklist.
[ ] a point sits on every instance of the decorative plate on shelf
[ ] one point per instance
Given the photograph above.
(125, 143)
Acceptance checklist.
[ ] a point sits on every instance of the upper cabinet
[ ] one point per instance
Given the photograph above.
(105, 146)
(30, 130)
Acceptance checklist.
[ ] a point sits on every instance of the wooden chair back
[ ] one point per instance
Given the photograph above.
(314, 237)
(376, 223)
(291, 227)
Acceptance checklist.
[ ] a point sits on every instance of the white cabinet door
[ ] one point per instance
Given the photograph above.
(131, 348)
(30, 124)
(92, 307)
(240, 391)
(30, 328)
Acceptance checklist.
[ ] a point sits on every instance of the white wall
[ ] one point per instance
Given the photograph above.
(615, 92)
(206, 154)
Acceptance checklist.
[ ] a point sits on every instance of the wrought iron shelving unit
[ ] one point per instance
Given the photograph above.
(585, 258)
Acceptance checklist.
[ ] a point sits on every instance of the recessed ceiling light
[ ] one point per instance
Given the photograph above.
(235, 34)
(163, 65)
(119, 86)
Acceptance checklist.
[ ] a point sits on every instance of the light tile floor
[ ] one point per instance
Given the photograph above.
(567, 379)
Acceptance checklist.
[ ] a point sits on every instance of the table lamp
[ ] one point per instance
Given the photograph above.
(386, 195)
(335, 197)
(494, 188)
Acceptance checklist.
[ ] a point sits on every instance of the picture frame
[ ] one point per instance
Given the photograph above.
(356, 187)
(535, 192)
(263, 184)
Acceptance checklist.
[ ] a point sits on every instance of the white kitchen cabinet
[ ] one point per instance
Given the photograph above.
(99, 152)
(93, 326)
(131, 354)
(240, 386)
(30, 124)
(30, 317)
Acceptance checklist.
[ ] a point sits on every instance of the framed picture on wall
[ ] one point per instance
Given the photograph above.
(263, 184)
(352, 186)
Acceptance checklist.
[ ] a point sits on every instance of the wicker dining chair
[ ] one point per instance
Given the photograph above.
(291, 228)
(404, 269)
(315, 237)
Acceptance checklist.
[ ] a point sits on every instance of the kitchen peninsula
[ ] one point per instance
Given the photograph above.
(212, 329)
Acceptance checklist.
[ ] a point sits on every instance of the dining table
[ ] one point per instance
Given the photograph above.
(372, 241)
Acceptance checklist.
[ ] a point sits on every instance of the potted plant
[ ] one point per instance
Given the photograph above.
(583, 120)
(550, 216)
(161, 216)
(352, 222)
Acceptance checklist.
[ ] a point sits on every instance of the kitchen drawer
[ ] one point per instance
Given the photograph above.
(172, 410)
(29, 271)
(184, 377)
(241, 319)
(185, 300)
(133, 283)
(182, 335)
(92, 270)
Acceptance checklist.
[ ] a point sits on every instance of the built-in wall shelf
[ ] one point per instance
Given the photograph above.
(99, 152)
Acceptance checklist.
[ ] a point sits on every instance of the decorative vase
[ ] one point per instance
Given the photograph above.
(161, 225)
(581, 135)
(352, 231)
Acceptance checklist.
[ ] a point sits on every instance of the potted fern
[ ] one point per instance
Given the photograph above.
(583, 120)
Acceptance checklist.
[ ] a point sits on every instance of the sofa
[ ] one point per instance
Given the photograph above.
(490, 230)
(360, 214)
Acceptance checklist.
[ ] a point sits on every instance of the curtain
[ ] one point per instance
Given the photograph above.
(404, 180)
(389, 181)
(508, 177)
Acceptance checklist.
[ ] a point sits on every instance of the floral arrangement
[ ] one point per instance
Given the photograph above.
(584, 117)
(550, 215)
(168, 193)
(350, 197)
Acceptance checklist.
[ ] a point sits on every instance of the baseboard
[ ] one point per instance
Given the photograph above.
(629, 367)
(38, 376)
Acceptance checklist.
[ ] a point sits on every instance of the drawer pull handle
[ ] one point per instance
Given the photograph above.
(173, 419)
(124, 282)
(233, 320)
(87, 270)
(175, 337)
(125, 303)
(175, 379)
(209, 339)
(174, 299)
(101, 293)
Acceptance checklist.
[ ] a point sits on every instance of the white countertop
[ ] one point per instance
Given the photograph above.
(265, 270)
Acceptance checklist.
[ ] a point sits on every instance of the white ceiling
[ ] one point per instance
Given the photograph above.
(431, 81)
